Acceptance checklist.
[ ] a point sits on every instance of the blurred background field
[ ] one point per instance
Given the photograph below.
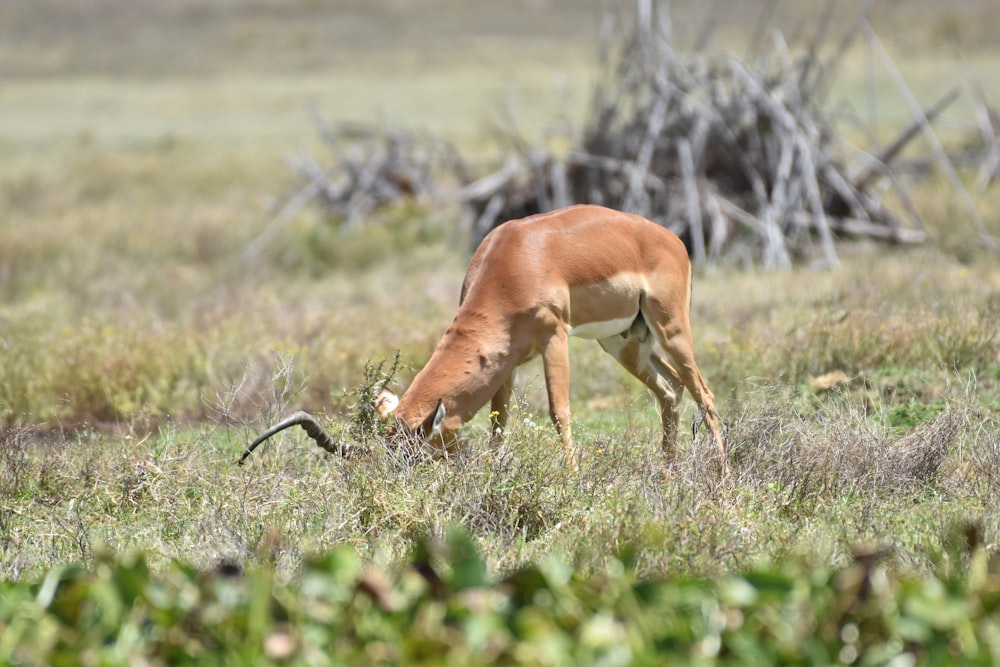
(141, 150)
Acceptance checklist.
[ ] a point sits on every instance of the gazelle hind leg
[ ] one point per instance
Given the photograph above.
(673, 331)
(691, 377)
(637, 354)
(666, 386)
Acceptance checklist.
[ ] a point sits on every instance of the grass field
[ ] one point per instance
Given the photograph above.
(140, 152)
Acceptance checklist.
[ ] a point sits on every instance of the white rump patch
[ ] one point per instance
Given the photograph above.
(596, 330)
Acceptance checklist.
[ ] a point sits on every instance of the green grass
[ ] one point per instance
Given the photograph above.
(139, 353)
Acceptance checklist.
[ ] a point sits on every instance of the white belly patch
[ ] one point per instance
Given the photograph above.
(596, 330)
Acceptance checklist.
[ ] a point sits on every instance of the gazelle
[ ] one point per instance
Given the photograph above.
(583, 271)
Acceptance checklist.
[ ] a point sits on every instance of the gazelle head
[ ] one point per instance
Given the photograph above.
(434, 428)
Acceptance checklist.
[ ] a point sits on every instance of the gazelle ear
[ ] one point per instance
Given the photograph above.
(386, 404)
(439, 415)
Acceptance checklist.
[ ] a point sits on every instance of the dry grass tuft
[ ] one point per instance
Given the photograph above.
(838, 449)
(918, 456)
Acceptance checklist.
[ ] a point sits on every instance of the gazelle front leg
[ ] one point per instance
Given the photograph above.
(555, 358)
(499, 409)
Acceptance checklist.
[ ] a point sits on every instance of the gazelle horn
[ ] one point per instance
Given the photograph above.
(312, 428)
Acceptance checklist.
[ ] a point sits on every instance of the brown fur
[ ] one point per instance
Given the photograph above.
(535, 280)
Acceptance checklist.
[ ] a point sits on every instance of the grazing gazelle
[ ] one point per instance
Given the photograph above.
(583, 271)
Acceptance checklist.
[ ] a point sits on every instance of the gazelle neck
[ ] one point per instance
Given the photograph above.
(467, 368)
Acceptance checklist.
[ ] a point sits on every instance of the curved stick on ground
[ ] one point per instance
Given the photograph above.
(312, 428)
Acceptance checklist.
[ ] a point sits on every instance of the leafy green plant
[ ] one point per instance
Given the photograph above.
(366, 421)
(443, 607)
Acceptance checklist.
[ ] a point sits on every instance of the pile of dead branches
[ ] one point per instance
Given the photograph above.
(371, 167)
(740, 157)
(737, 157)
(988, 154)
